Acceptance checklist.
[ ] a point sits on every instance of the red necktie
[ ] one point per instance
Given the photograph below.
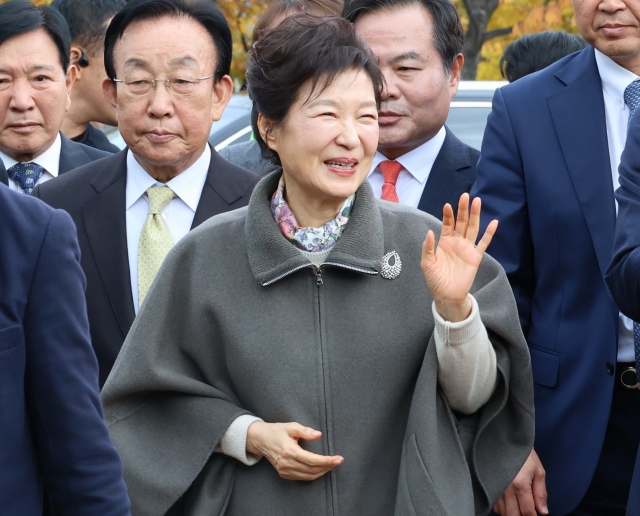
(390, 171)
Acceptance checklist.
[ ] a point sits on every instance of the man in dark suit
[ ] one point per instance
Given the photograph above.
(35, 84)
(548, 171)
(87, 23)
(623, 274)
(419, 161)
(51, 426)
(132, 207)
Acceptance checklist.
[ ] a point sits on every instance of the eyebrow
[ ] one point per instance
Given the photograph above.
(184, 61)
(333, 103)
(135, 63)
(35, 68)
(412, 54)
(179, 61)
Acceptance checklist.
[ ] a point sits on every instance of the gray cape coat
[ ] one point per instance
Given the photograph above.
(239, 322)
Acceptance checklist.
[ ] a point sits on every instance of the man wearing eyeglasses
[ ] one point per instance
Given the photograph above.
(167, 63)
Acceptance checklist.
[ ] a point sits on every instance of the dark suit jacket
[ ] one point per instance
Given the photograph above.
(72, 155)
(51, 429)
(94, 196)
(96, 139)
(545, 174)
(452, 174)
(623, 274)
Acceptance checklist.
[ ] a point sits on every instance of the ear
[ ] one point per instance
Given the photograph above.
(72, 74)
(221, 95)
(456, 71)
(268, 136)
(110, 91)
(76, 54)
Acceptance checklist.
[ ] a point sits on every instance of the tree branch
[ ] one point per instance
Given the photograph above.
(496, 33)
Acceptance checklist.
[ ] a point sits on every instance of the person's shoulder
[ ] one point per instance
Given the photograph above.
(25, 214)
(91, 152)
(240, 178)
(84, 173)
(544, 82)
(97, 139)
(408, 218)
(227, 227)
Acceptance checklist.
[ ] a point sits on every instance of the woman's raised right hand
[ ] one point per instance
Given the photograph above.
(278, 442)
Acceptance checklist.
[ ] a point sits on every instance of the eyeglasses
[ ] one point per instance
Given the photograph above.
(181, 83)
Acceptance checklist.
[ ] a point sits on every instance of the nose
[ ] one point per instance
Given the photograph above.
(160, 101)
(348, 137)
(21, 96)
(612, 6)
(390, 90)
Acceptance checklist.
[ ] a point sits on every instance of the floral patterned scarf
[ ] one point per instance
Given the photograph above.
(308, 239)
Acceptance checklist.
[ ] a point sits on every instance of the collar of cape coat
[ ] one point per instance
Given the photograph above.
(273, 257)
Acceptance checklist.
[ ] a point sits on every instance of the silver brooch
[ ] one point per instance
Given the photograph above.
(391, 265)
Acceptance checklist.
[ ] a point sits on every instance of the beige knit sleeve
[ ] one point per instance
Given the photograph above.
(466, 360)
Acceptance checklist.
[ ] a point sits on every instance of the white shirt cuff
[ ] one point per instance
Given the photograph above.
(467, 369)
(234, 440)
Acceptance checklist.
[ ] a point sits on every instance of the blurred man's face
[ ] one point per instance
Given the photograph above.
(613, 27)
(166, 130)
(415, 102)
(87, 92)
(34, 94)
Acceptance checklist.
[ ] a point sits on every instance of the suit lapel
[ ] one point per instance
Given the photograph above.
(579, 119)
(220, 190)
(445, 184)
(71, 155)
(105, 223)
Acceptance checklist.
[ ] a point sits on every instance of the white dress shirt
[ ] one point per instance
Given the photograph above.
(49, 160)
(615, 80)
(416, 167)
(187, 187)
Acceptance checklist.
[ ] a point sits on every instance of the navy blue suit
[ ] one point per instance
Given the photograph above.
(51, 430)
(545, 174)
(623, 275)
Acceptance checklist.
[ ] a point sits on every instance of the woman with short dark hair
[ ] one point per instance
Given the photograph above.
(301, 330)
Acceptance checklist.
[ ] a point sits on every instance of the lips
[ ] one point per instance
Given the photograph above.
(613, 29)
(23, 127)
(342, 166)
(160, 136)
(388, 117)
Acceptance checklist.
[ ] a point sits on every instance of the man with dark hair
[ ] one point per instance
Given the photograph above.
(51, 430)
(132, 207)
(35, 86)
(534, 52)
(548, 170)
(88, 21)
(419, 162)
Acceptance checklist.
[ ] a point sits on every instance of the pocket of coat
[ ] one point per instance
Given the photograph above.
(421, 489)
(544, 366)
(10, 337)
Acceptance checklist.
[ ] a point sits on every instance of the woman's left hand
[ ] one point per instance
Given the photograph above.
(451, 267)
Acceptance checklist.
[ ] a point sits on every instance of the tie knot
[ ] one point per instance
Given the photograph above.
(632, 96)
(26, 175)
(159, 198)
(390, 171)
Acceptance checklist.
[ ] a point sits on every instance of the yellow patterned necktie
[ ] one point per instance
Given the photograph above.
(155, 239)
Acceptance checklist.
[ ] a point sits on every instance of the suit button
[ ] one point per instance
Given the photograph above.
(610, 368)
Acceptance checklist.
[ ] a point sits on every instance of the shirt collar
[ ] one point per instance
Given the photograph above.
(49, 159)
(614, 77)
(419, 161)
(187, 185)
